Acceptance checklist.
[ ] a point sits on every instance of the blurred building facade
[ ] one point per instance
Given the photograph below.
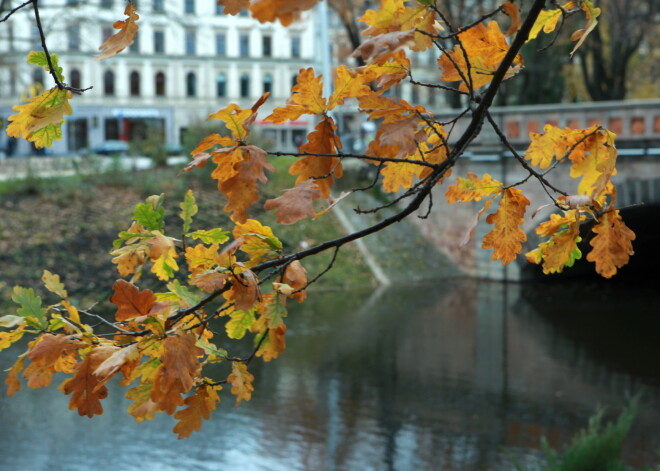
(189, 59)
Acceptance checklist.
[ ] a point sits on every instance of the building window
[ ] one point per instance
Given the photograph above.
(111, 130)
(159, 6)
(159, 42)
(189, 6)
(35, 38)
(105, 34)
(221, 85)
(106, 4)
(268, 83)
(219, 9)
(190, 42)
(295, 46)
(243, 13)
(75, 78)
(160, 84)
(266, 46)
(244, 45)
(109, 83)
(294, 80)
(74, 37)
(245, 86)
(220, 44)
(191, 84)
(135, 47)
(134, 84)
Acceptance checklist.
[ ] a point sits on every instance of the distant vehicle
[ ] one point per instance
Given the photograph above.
(112, 148)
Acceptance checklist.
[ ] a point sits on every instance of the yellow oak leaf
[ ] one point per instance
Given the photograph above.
(612, 245)
(485, 48)
(546, 21)
(241, 382)
(142, 408)
(201, 258)
(40, 119)
(234, 118)
(295, 204)
(387, 73)
(507, 237)
(473, 188)
(128, 28)
(553, 145)
(200, 405)
(53, 284)
(597, 165)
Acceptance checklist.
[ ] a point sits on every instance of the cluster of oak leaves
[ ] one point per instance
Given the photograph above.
(160, 342)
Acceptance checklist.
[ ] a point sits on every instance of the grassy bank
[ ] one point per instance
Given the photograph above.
(67, 225)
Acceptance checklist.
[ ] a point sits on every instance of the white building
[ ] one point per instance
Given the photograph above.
(188, 60)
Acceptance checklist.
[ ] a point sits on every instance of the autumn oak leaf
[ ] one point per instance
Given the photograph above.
(295, 204)
(612, 245)
(200, 405)
(130, 301)
(128, 28)
(241, 382)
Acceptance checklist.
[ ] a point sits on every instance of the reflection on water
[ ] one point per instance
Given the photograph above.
(450, 376)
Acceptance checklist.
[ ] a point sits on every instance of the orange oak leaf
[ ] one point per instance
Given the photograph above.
(485, 48)
(233, 7)
(258, 241)
(507, 237)
(209, 281)
(274, 344)
(295, 276)
(612, 245)
(51, 354)
(561, 250)
(387, 73)
(349, 83)
(512, 10)
(115, 362)
(295, 204)
(130, 301)
(124, 37)
(245, 292)
(241, 382)
(241, 189)
(323, 169)
(286, 11)
(179, 368)
(381, 48)
(307, 98)
(12, 381)
(472, 188)
(200, 405)
(85, 388)
(554, 144)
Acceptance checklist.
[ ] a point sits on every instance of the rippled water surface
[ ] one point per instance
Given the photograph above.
(448, 376)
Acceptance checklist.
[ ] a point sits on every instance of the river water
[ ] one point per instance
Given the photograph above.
(444, 376)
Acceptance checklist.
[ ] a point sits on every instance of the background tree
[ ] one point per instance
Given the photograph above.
(605, 59)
